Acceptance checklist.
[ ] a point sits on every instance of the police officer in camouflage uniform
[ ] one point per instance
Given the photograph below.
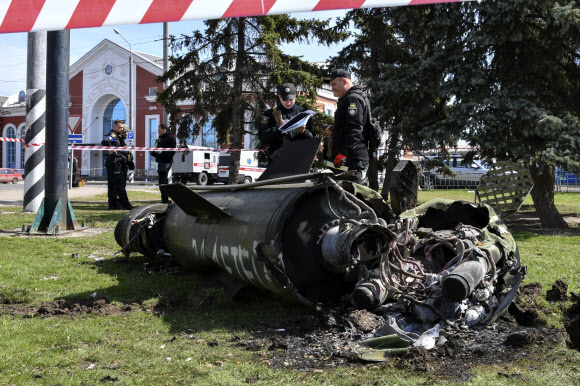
(268, 131)
(117, 164)
(348, 143)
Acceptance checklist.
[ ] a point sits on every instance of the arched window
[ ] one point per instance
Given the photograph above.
(10, 148)
(115, 110)
(153, 136)
(207, 137)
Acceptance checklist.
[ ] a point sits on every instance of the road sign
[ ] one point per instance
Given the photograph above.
(131, 135)
(75, 138)
(74, 122)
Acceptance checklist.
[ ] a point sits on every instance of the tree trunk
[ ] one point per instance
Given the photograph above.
(543, 196)
(237, 127)
(373, 172)
(390, 163)
(376, 47)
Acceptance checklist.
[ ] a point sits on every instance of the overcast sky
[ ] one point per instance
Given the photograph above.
(143, 37)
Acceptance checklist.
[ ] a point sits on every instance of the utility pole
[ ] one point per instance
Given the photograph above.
(55, 213)
(165, 61)
(35, 122)
(165, 84)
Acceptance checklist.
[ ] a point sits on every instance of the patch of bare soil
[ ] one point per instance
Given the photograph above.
(529, 221)
(326, 348)
(67, 309)
(573, 324)
(322, 342)
(558, 292)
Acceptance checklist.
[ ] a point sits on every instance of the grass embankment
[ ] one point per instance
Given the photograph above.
(178, 333)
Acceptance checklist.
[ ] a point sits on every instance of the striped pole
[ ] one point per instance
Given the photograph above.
(35, 122)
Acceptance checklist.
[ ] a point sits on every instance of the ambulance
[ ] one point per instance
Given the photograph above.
(199, 165)
(250, 168)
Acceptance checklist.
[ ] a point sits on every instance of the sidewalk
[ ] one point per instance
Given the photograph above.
(12, 195)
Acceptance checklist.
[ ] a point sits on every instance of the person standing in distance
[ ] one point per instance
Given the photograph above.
(164, 158)
(117, 164)
(273, 118)
(348, 143)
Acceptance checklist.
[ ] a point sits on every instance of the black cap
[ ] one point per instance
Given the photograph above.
(287, 91)
(338, 73)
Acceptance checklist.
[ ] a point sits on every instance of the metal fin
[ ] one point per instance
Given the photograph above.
(294, 158)
(192, 203)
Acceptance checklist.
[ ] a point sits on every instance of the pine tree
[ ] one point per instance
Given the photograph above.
(502, 74)
(230, 72)
(399, 62)
(518, 90)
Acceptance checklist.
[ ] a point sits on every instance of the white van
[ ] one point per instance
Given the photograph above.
(250, 168)
(199, 165)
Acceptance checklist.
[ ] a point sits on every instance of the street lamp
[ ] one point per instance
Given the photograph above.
(132, 175)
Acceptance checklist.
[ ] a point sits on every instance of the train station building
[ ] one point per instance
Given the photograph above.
(101, 90)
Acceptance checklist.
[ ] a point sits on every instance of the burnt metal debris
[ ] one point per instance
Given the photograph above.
(335, 245)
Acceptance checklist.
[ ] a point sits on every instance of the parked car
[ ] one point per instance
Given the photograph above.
(9, 175)
(467, 175)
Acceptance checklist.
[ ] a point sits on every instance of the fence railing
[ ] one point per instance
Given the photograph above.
(567, 182)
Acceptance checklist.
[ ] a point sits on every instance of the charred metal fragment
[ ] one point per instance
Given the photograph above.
(463, 262)
(141, 231)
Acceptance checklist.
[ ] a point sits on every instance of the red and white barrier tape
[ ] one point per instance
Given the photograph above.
(103, 148)
(52, 15)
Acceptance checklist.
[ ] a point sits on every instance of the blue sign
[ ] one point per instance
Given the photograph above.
(75, 138)
(131, 135)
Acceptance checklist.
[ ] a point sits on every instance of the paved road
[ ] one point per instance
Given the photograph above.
(12, 194)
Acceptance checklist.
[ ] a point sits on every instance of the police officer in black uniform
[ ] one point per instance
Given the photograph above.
(268, 131)
(348, 143)
(117, 164)
(164, 158)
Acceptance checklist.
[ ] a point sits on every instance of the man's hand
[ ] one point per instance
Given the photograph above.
(328, 130)
(338, 160)
(283, 122)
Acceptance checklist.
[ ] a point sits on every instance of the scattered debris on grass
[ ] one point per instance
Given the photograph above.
(323, 341)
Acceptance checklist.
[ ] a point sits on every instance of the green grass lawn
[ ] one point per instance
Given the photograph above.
(164, 337)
